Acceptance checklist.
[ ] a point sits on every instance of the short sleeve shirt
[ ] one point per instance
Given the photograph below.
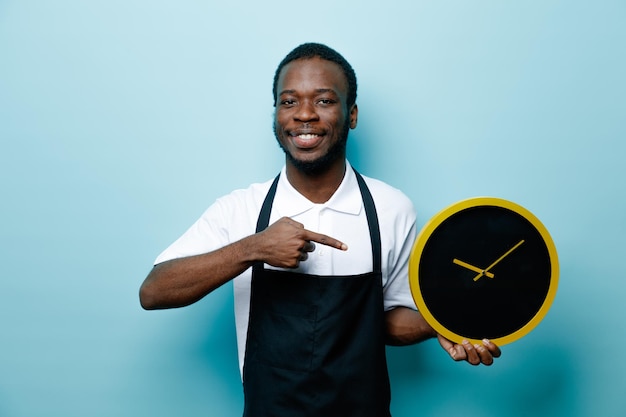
(234, 216)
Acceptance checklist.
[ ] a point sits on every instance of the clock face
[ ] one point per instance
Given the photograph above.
(483, 268)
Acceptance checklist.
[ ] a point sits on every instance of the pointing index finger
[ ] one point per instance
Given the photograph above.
(325, 240)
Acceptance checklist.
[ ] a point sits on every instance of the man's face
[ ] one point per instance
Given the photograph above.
(312, 119)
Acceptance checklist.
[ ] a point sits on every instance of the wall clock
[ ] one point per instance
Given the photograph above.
(483, 268)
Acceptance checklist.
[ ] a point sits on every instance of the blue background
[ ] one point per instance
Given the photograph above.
(121, 121)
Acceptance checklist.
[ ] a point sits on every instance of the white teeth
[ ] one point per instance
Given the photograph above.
(307, 136)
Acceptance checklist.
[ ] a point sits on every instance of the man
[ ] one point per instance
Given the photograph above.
(318, 257)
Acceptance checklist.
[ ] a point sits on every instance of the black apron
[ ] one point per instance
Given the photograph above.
(315, 344)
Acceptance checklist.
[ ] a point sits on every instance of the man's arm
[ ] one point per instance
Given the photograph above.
(184, 281)
(405, 326)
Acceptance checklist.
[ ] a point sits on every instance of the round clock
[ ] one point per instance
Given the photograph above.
(483, 268)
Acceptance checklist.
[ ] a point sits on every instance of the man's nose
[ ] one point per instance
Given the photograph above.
(306, 112)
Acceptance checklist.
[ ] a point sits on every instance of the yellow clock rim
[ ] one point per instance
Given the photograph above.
(425, 234)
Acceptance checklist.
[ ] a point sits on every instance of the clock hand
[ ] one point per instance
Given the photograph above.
(472, 267)
(477, 277)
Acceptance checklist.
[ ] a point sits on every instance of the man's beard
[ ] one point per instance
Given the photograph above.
(319, 165)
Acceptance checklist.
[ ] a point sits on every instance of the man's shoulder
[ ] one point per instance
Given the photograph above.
(388, 197)
(239, 204)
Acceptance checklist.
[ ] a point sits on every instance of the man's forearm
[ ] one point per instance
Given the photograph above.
(405, 326)
(184, 281)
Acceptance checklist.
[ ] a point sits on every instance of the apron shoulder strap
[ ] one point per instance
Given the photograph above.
(372, 221)
(264, 216)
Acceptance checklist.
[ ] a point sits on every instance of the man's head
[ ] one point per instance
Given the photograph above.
(315, 93)
(311, 50)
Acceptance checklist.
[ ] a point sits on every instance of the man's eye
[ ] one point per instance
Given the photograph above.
(287, 102)
(326, 101)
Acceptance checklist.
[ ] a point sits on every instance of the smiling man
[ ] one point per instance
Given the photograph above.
(313, 115)
(319, 258)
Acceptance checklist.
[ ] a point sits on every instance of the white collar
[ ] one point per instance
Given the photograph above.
(347, 199)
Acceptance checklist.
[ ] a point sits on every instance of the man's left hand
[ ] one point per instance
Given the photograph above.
(474, 354)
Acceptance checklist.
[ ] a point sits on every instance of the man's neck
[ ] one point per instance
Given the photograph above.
(319, 187)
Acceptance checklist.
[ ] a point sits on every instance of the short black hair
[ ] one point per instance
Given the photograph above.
(312, 50)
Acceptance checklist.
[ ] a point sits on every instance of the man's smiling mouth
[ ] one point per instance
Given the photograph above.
(307, 136)
(306, 140)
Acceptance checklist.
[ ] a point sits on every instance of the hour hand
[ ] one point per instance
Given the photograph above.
(472, 268)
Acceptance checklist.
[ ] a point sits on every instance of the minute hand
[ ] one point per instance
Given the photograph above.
(477, 277)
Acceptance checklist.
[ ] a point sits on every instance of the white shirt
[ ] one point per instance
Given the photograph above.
(234, 216)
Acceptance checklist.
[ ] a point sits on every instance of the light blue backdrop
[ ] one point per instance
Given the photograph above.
(121, 121)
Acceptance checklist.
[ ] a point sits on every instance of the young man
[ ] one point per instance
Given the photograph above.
(319, 259)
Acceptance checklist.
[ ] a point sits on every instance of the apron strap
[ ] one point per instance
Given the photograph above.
(372, 221)
(264, 217)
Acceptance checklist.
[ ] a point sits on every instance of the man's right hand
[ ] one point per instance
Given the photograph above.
(286, 243)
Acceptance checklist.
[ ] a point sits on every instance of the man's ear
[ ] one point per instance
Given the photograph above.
(354, 116)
